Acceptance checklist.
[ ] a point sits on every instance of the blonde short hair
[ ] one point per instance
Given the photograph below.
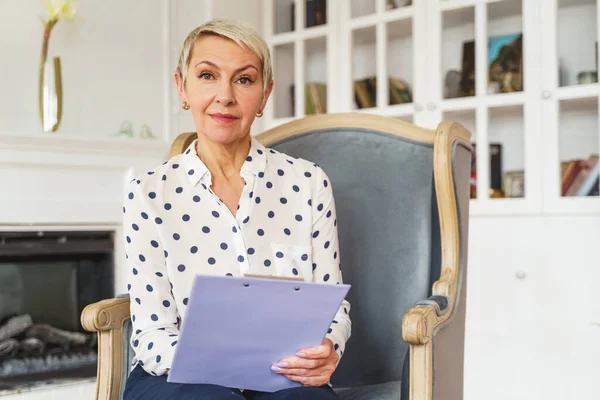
(238, 31)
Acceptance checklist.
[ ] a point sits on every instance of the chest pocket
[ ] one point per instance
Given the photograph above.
(293, 261)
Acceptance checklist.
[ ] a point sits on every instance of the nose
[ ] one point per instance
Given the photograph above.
(225, 94)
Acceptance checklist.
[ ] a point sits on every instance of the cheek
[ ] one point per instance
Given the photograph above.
(200, 100)
(197, 94)
(249, 100)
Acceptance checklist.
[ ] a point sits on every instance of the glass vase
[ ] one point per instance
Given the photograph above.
(50, 94)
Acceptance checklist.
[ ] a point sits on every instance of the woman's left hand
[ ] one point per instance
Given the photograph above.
(312, 366)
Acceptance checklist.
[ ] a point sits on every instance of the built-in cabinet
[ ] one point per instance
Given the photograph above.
(521, 75)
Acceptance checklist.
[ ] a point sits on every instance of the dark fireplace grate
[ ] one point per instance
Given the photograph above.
(49, 363)
(46, 279)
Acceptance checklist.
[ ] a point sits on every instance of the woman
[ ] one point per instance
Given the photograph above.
(226, 206)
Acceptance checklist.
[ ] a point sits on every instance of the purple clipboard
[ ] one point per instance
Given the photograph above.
(234, 329)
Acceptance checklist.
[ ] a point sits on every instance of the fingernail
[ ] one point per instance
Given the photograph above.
(301, 355)
(275, 369)
(282, 364)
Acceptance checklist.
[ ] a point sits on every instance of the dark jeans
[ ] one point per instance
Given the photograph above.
(143, 386)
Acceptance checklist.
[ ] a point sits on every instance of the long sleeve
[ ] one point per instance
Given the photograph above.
(153, 309)
(326, 257)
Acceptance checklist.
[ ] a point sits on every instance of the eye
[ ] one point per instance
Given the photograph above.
(244, 80)
(205, 75)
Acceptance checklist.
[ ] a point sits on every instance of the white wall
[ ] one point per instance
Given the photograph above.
(111, 61)
(115, 64)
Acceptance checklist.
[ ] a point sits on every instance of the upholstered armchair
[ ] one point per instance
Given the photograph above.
(402, 196)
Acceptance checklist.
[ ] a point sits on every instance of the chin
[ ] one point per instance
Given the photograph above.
(219, 134)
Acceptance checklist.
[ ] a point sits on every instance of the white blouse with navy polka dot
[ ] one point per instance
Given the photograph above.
(176, 227)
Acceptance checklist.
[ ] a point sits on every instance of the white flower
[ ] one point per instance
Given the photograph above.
(59, 9)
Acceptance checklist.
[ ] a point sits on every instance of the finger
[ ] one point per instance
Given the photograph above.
(309, 381)
(321, 371)
(296, 362)
(322, 351)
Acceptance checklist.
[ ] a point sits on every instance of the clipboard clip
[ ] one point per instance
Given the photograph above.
(280, 278)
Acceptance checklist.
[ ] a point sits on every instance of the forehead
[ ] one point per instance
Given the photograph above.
(223, 52)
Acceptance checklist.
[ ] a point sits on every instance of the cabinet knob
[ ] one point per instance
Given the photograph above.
(431, 106)
(520, 274)
(546, 94)
(418, 107)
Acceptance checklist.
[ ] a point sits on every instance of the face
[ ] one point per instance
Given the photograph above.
(224, 89)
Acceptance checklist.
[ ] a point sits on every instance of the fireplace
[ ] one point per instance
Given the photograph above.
(46, 279)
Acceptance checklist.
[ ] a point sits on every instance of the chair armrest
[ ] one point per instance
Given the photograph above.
(105, 315)
(419, 323)
(439, 302)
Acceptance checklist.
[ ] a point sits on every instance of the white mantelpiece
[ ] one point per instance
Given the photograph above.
(51, 179)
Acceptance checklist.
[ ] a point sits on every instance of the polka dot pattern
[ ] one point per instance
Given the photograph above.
(175, 226)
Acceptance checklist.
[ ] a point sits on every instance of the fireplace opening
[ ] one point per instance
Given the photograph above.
(46, 280)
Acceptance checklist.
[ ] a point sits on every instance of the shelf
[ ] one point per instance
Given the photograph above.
(491, 100)
(400, 14)
(580, 105)
(578, 91)
(57, 142)
(397, 110)
(290, 37)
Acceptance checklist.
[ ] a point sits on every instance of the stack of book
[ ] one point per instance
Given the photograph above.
(580, 177)
(315, 98)
(365, 92)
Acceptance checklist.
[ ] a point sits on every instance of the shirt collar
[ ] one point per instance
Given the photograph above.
(196, 170)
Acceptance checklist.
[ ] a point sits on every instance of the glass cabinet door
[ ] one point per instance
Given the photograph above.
(570, 103)
(479, 65)
(300, 38)
(380, 38)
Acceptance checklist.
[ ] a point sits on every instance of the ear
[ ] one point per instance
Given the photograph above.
(180, 87)
(266, 96)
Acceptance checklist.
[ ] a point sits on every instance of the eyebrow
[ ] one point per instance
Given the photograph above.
(212, 64)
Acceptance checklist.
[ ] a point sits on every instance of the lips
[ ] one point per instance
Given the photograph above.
(224, 118)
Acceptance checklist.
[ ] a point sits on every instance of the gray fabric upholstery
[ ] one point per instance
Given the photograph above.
(382, 391)
(127, 353)
(383, 186)
(127, 349)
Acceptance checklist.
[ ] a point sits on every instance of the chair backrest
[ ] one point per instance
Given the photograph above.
(381, 170)
(382, 173)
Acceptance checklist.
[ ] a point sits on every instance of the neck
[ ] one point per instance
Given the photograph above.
(224, 160)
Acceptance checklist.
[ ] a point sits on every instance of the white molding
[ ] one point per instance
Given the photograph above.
(77, 144)
(61, 179)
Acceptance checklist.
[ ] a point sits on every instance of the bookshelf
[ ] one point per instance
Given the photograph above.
(520, 74)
